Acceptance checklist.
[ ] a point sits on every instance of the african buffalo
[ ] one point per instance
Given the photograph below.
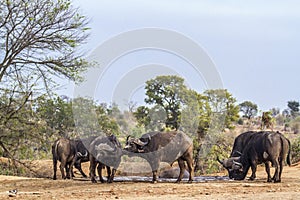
(238, 146)
(105, 151)
(156, 147)
(63, 150)
(263, 147)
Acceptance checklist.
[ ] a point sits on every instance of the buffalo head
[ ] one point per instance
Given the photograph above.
(136, 145)
(233, 166)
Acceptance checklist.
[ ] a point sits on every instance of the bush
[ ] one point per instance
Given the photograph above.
(295, 125)
(295, 151)
(215, 145)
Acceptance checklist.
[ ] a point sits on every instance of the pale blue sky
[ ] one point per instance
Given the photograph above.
(255, 45)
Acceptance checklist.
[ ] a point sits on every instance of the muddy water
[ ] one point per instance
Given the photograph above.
(168, 180)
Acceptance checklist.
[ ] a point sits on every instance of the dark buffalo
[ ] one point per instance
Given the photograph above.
(238, 146)
(263, 147)
(105, 151)
(156, 147)
(82, 152)
(63, 150)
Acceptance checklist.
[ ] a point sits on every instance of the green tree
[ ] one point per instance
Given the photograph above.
(293, 107)
(39, 40)
(267, 121)
(40, 37)
(224, 111)
(92, 119)
(248, 109)
(167, 92)
(57, 113)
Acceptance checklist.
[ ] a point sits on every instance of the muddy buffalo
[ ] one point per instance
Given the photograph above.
(105, 151)
(156, 147)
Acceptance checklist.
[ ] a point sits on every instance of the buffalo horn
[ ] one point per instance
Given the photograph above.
(128, 138)
(82, 155)
(221, 162)
(139, 142)
(237, 163)
(238, 152)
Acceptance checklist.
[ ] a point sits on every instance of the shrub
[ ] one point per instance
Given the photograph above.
(295, 151)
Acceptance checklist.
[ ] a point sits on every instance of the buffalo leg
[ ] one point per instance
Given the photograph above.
(190, 165)
(154, 175)
(68, 174)
(108, 171)
(267, 166)
(78, 166)
(99, 169)
(111, 178)
(191, 170)
(253, 169)
(54, 168)
(71, 173)
(154, 166)
(280, 170)
(92, 169)
(182, 168)
(276, 174)
(62, 169)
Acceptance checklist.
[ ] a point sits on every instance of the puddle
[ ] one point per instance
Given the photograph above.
(167, 180)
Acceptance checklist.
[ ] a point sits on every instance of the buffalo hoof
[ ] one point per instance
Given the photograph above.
(190, 181)
(154, 181)
(54, 178)
(94, 181)
(277, 181)
(269, 180)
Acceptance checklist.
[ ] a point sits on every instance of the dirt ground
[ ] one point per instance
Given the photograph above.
(79, 188)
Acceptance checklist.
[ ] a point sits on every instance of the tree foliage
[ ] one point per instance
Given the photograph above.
(293, 107)
(249, 109)
(167, 92)
(39, 40)
(39, 37)
(223, 108)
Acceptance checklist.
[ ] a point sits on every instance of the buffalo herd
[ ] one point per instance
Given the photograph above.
(249, 149)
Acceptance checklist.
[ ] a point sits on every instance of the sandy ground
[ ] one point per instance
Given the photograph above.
(79, 188)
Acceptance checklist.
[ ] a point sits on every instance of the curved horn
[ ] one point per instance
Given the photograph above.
(239, 153)
(86, 154)
(128, 138)
(221, 162)
(79, 154)
(139, 142)
(237, 163)
(149, 137)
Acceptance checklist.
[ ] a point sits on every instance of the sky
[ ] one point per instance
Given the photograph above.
(254, 46)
